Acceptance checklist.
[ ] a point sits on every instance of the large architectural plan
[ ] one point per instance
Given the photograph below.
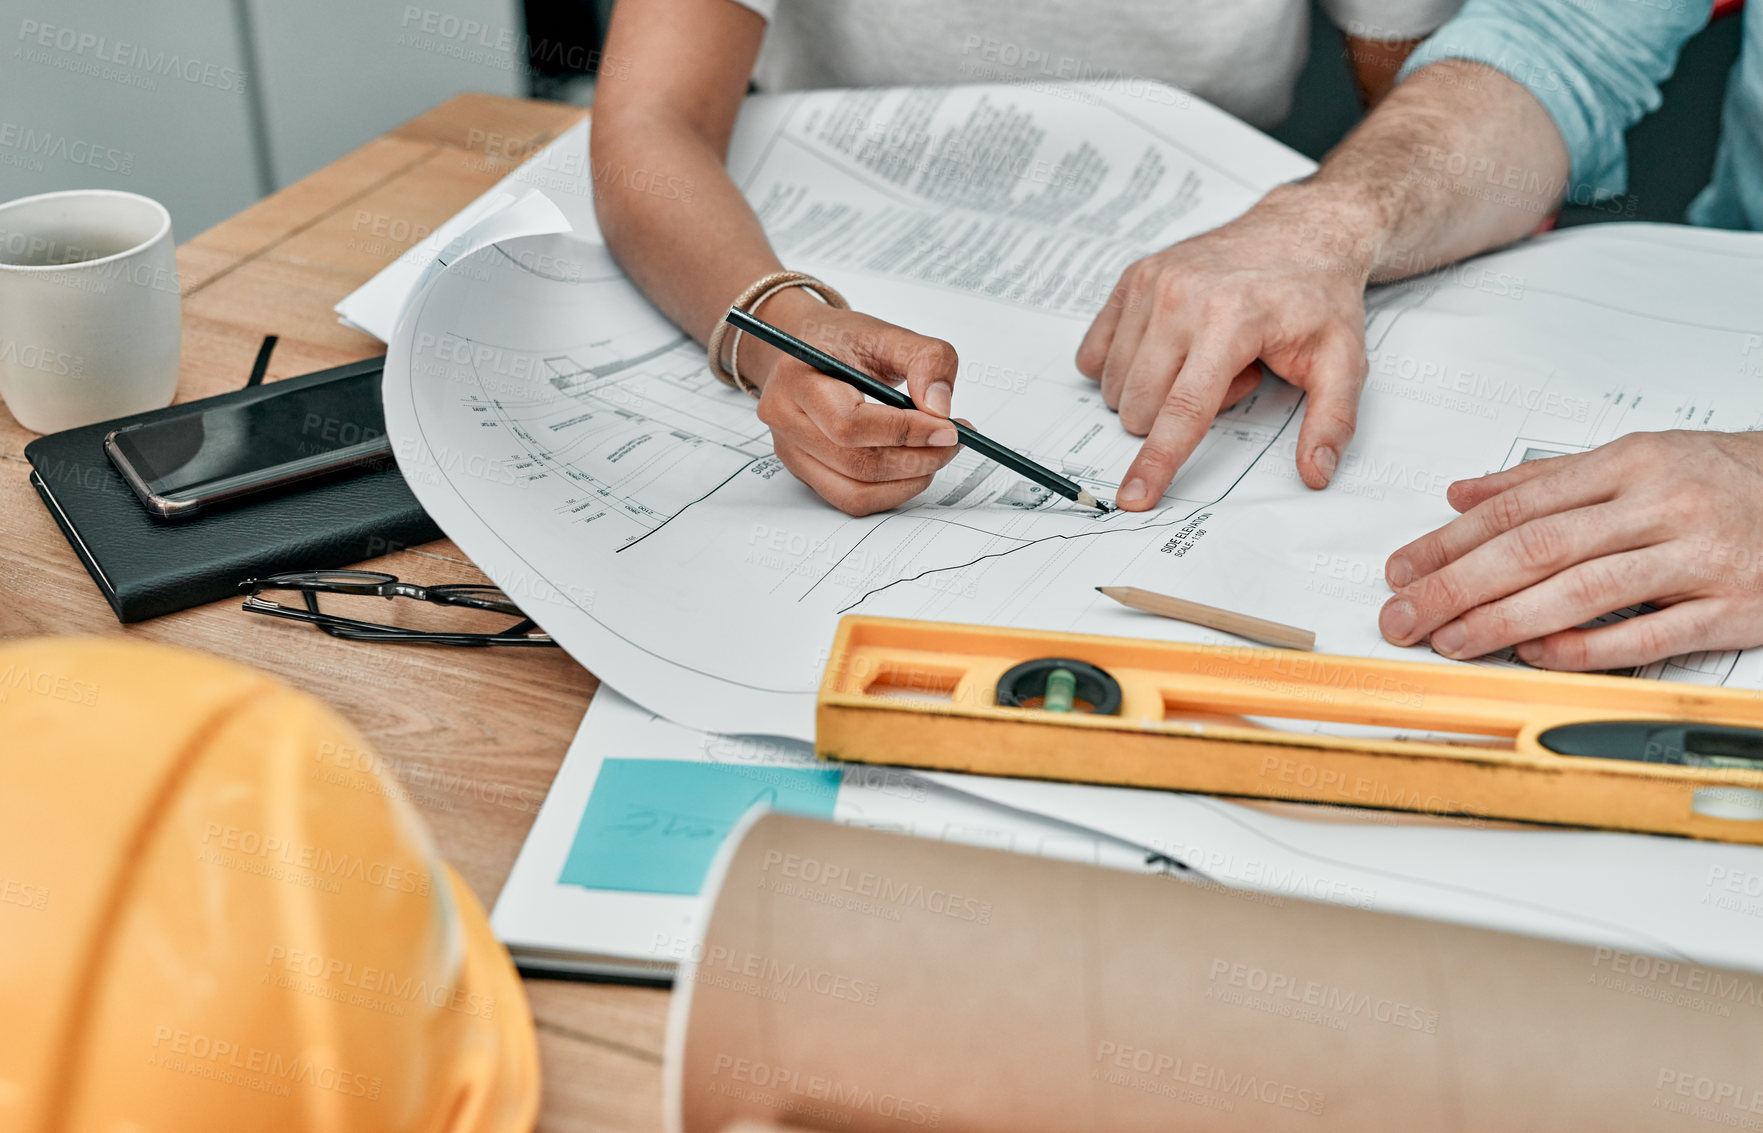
(572, 441)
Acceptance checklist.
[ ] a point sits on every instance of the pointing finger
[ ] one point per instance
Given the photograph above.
(1187, 413)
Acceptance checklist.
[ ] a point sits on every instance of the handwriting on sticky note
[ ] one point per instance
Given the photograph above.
(642, 819)
(654, 825)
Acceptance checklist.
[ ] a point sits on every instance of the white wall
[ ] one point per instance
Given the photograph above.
(207, 104)
(113, 94)
(337, 73)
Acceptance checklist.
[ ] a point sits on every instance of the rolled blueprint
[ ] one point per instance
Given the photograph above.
(851, 979)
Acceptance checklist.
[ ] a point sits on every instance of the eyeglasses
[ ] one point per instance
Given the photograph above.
(344, 588)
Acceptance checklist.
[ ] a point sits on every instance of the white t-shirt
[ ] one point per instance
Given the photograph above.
(1241, 55)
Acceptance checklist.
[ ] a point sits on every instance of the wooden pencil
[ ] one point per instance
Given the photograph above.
(1229, 621)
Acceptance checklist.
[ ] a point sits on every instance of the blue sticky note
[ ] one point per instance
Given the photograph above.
(653, 825)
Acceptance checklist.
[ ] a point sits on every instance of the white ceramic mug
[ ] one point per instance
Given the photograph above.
(89, 317)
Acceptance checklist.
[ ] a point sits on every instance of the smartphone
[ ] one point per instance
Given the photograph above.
(183, 465)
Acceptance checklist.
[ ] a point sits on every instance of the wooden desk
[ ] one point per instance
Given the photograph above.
(460, 724)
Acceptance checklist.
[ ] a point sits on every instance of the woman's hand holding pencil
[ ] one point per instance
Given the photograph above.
(859, 456)
(864, 384)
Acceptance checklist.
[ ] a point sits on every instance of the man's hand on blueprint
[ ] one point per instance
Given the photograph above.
(1670, 519)
(1180, 336)
(859, 456)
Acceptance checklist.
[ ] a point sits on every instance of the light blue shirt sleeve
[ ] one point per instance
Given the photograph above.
(1734, 198)
(1595, 65)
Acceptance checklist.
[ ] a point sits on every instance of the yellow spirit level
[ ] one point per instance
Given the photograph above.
(1567, 749)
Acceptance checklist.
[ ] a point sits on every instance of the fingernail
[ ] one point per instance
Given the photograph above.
(1530, 652)
(1396, 620)
(1449, 639)
(1398, 573)
(1131, 492)
(945, 437)
(1326, 460)
(937, 397)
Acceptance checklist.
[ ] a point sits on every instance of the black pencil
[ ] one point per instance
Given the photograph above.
(888, 395)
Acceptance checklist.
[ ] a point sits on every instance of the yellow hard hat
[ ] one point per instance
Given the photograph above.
(217, 914)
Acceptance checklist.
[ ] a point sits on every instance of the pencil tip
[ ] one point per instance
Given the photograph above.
(1087, 500)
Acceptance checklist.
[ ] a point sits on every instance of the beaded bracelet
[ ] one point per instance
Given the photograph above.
(749, 300)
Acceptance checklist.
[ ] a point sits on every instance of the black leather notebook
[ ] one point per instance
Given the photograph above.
(147, 567)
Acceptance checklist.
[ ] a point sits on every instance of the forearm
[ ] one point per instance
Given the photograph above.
(671, 215)
(1458, 159)
(692, 251)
